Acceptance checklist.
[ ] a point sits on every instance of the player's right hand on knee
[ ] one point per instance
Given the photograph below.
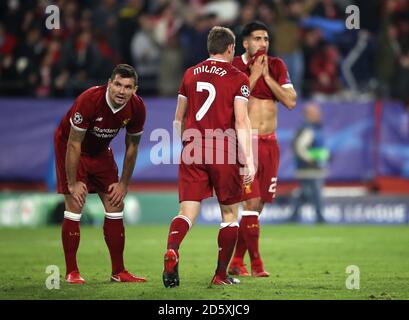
(78, 191)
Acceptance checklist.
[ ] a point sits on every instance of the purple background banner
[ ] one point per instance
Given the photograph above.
(26, 136)
(394, 147)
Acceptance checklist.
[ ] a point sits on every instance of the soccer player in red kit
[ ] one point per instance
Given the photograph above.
(85, 164)
(270, 84)
(213, 96)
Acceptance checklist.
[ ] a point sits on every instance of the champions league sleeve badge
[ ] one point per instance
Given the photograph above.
(245, 91)
(77, 118)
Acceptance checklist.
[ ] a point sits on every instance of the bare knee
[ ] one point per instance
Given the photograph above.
(229, 212)
(253, 205)
(190, 209)
(71, 205)
(107, 204)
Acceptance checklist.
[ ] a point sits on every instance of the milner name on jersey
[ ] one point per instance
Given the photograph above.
(217, 70)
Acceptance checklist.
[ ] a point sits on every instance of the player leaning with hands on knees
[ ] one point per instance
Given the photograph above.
(85, 164)
(213, 96)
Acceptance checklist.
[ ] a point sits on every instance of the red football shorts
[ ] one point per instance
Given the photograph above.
(265, 180)
(197, 181)
(97, 172)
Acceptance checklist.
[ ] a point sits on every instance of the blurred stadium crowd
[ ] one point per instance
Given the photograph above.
(163, 37)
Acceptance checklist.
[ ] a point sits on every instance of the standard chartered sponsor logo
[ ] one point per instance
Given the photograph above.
(104, 133)
(105, 130)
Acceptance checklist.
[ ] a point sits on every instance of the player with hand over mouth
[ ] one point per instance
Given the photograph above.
(270, 84)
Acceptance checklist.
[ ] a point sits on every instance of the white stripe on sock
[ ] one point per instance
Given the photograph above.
(249, 213)
(72, 216)
(228, 224)
(114, 215)
(184, 218)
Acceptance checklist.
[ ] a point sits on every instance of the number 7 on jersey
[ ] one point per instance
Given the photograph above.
(200, 86)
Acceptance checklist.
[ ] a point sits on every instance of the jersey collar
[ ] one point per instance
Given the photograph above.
(215, 59)
(243, 58)
(114, 110)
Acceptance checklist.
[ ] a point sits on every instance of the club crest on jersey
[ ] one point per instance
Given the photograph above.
(77, 118)
(245, 91)
(125, 122)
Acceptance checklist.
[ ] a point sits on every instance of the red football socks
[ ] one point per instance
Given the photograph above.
(226, 240)
(241, 246)
(114, 233)
(250, 227)
(70, 235)
(178, 229)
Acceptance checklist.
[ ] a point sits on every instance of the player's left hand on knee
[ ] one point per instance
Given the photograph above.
(117, 192)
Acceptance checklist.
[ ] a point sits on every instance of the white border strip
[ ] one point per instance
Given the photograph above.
(288, 85)
(113, 109)
(114, 215)
(184, 218)
(240, 97)
(228, 224)
(134, 134)
(75, 127)
(249, 213)
(243, 58)
(72, 216)
(216, 59)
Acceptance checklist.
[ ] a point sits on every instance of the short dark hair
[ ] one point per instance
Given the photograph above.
(125, 71)
(219, 39)
(253, 26)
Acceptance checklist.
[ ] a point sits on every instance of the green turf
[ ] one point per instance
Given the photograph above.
(306, 262)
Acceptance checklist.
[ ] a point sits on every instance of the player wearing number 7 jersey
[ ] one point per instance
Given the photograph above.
(212, 97)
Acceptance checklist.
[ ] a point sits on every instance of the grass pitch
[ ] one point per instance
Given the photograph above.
(305, 262)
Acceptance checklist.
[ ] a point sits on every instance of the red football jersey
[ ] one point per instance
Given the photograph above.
(278, 71)
(92, 112)
(211, 88)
